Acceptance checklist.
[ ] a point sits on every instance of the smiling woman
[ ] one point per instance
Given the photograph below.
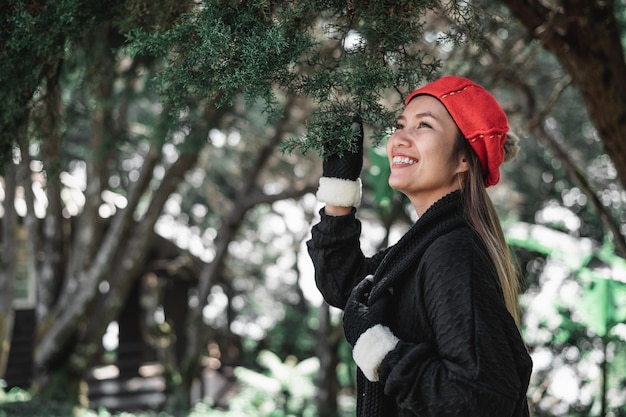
(433, 320)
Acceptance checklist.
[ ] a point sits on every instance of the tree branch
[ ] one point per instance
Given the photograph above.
(576, 174)
(585, 38)
(244, 202)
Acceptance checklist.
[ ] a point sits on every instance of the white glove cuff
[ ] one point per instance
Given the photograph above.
(339, 192)
(371, 348)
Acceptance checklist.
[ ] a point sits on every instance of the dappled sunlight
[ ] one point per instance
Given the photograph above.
(111, 338)
(555, 214)
(105, 372)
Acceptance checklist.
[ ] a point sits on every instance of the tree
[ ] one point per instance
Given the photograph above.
(71, 267)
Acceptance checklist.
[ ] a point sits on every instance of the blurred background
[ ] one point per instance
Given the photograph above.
(157, 176)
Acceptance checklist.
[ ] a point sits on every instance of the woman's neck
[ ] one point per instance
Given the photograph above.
(423, 201)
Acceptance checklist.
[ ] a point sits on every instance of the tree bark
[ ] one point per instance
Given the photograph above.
(15, 174)
(50, 269)
(8, 265)
(584, 36)
(88, 261)
(326, 381)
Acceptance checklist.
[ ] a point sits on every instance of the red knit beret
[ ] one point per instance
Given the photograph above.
(477, 114)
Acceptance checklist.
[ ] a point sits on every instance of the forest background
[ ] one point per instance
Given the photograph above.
(125, 123)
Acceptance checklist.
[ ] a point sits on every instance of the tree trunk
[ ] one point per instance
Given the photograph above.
(62, 385)
(8, 266)
(88, 260)
(14, 175)
(127, 268)
(326, 380)
(69, 337)
(584, 37)
(51, 240)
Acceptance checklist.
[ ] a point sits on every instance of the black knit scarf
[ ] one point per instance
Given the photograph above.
(441, 218)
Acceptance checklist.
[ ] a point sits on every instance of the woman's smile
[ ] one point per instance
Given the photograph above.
(399, 161)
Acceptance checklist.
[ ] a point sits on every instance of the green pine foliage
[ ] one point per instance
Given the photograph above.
(219, 51)
(33, 38)
(347, 59)
(38, 37)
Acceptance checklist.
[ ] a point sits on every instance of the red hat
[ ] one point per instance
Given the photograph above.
(477, 114)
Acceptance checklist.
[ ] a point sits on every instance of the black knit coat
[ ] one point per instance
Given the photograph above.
(460, 352)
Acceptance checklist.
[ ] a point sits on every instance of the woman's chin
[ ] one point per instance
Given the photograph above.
(397, 185)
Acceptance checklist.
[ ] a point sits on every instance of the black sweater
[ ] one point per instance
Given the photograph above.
(460, 352)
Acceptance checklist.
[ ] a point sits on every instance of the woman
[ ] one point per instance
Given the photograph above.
(434, 319)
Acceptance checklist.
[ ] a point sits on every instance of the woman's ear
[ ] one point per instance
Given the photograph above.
(463, 165)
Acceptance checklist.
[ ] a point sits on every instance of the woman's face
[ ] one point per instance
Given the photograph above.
(420, 153)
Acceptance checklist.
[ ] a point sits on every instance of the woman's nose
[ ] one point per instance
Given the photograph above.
(398, 138)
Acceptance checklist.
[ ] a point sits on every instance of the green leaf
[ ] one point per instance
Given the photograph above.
(603, 304)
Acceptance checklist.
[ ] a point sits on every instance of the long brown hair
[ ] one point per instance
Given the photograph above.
(483, 218)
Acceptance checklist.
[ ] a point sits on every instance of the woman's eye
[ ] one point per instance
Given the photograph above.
(424, 124)
(399, 126)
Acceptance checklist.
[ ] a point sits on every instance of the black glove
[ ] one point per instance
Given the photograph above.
(349, 165)
(357, 316)
(340, 184)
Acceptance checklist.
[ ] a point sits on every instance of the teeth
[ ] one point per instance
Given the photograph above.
(403, 160)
